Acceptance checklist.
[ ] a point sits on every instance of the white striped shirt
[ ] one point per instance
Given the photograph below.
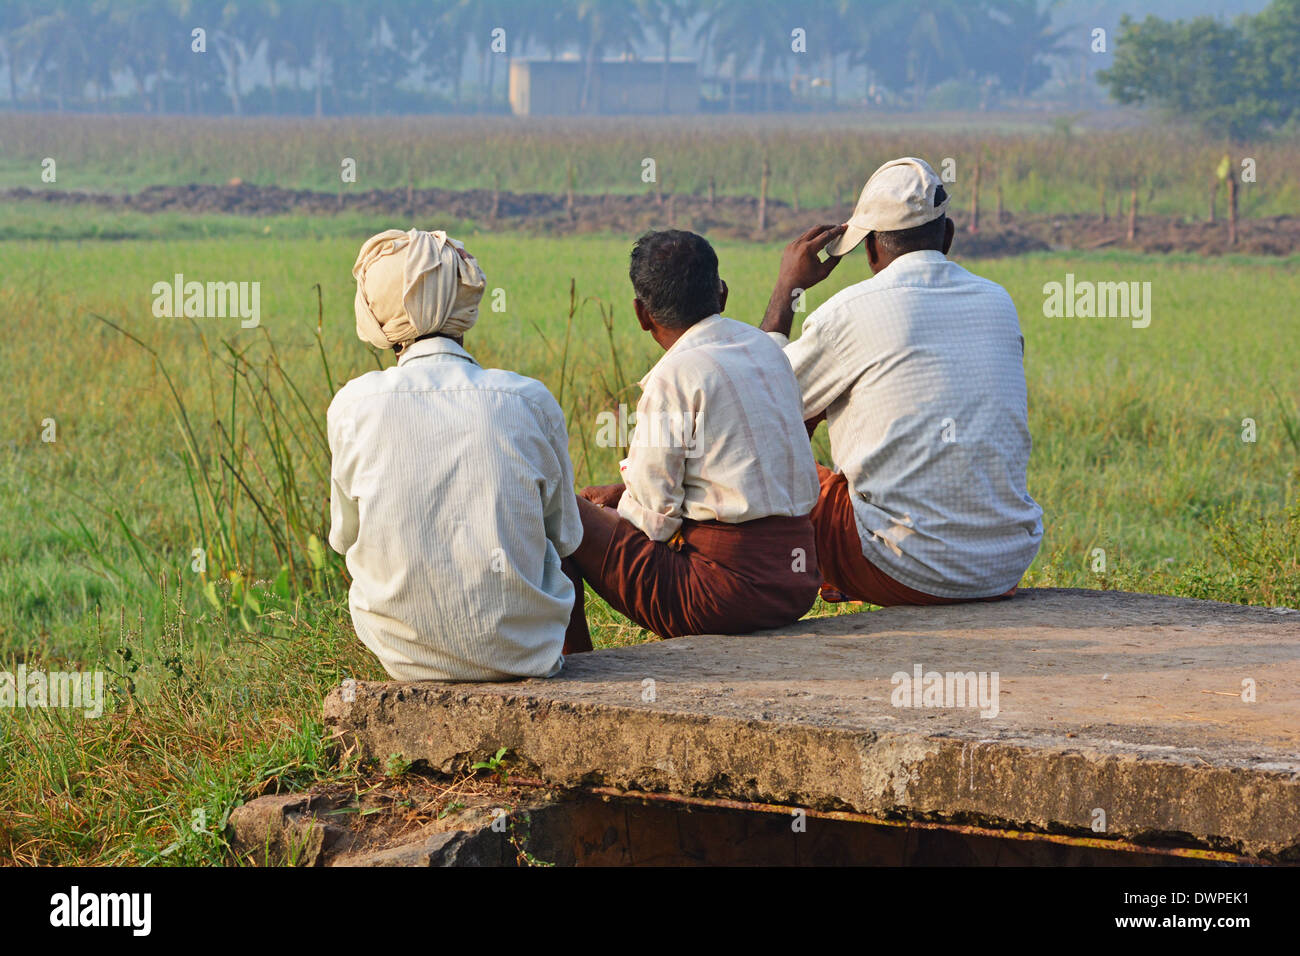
(920, 370)
(452, 498)
(718, 434)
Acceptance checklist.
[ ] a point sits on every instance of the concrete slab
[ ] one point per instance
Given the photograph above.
(1126, 716)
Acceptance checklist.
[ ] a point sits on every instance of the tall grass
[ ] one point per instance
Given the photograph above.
(826, 159)
(172, 437)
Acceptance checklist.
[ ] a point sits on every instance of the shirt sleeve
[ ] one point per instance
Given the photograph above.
(561, 518)
(344, 514)
(816, 365)
(654, 471)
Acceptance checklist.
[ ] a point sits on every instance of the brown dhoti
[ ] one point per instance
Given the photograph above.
(712, 578)
(844, 566)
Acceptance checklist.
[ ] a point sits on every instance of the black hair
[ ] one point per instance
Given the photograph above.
(928, 235)
(675, 275)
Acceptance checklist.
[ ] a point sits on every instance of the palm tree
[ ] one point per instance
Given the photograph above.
(13, 16)
(142, 37)
(664, 18)
(606, 25)
(554, 26)
(336, 45)
(55, 41)
(1029, 37)
(752, 32)
(906, 44)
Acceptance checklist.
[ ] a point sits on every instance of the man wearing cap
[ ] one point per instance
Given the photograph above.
(919, 374)
(709, 530)
(451, 486)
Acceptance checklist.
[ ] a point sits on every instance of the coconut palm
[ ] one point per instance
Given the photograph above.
(57, 41)
(606, 26)
(666, 19)
(753, 32)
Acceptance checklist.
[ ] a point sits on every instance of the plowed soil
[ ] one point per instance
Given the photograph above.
(726, 216)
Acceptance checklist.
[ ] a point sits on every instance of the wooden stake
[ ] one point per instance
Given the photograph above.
(496, 196)
(1101, 201)
(568, 199)
(1000, 207)
(1232, 209)
(1214, 199)
(762, 197)
(712, 193)
(1133, 212)
(975, 200)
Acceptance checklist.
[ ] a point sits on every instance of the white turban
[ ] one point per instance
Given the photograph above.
(415, 283)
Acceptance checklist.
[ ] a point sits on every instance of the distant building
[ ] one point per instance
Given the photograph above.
(556, 87)
(723, 94)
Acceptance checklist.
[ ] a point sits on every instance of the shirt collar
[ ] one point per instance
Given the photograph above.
(437, 345)
(921, 255)
(687, 340)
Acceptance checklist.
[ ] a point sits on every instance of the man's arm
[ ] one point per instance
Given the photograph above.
(344, 514)
(654, 471)
(560, 512)
(801, 269)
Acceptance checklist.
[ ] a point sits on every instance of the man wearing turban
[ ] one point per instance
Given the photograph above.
(451, 485)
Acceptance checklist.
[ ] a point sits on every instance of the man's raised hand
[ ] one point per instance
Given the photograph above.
(801, 267)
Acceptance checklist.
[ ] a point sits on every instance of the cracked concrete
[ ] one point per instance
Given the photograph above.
(1126, 710)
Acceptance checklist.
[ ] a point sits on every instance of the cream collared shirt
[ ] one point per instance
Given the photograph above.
(719, 434)
(452, 500)
(920, 371)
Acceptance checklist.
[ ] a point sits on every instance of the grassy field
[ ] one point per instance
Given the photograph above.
(1055, 165)
(217, 677)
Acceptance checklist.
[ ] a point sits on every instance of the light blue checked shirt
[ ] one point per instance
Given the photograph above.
(920, 371)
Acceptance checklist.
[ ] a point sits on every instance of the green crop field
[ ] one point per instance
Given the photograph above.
(171, 435)
(1043, 165)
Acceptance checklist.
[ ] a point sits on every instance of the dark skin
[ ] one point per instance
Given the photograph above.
(598, 504)
(458, 339)
(607, 495)
(802, 268)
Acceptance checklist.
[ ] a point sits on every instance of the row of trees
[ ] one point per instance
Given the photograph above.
(354, 56)
(1236, 78)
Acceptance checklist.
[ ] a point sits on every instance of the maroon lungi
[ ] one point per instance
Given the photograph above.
(712, 577)
(845, 567)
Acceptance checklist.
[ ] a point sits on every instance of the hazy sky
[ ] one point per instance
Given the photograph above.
(1169, 9)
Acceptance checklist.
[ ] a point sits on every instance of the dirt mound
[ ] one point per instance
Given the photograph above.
(729, 216)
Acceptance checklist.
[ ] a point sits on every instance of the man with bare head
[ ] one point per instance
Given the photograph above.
(708, 532)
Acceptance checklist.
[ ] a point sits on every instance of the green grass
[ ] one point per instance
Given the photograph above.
(1137, 450)
(40, 221)
(827, 157)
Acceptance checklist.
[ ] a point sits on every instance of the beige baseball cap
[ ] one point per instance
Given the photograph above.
(899, 195)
